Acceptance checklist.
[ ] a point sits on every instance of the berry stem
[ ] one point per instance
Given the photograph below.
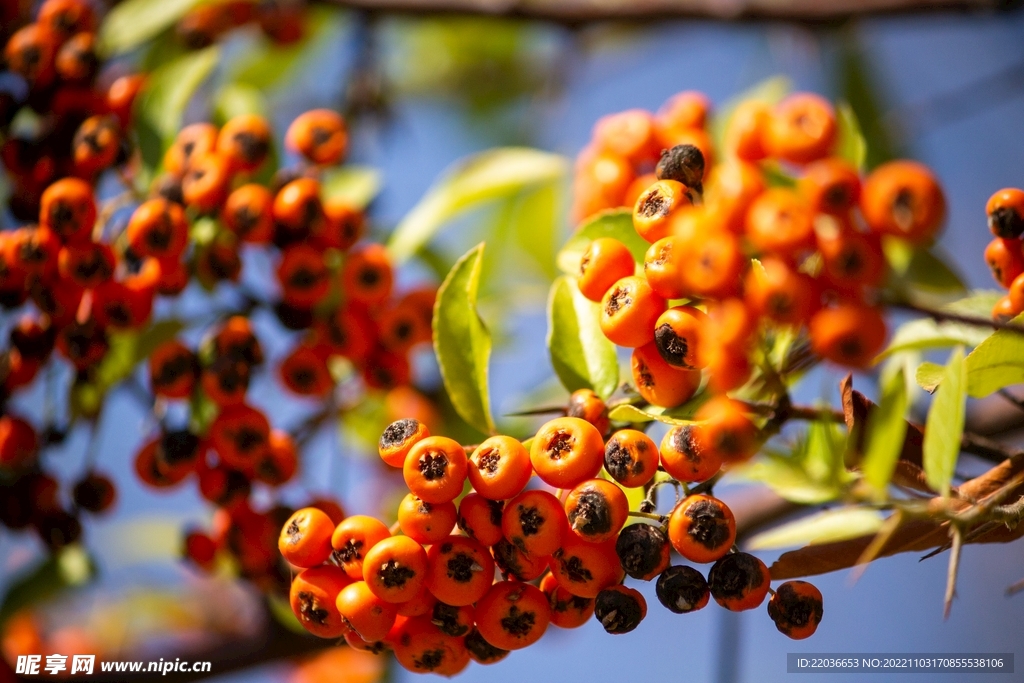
(648, 515)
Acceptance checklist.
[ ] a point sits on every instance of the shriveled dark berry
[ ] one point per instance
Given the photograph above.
(682, 163)
(619, 609)
(641, 549)
(682, 589)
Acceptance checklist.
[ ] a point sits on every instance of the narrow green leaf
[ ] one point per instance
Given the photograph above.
(133, 22)
(885, 431)
(945, 424)
(929, 376)
(787, 477)
(822, 457)
(978, 303)
(680, 415)
(463, 343)
(925, 333)
(850, 144)
(582, 356)
(617, 223)
(472, 182)
(828, 526)
(355, 185)
(160, 105)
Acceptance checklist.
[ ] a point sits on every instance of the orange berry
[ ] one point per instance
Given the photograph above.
(585, 569)
(777, 291)
(903, 198)
(395, 568)
(659, 383)
(204, 185)
(631, 458)
(1005, 211)
(663, 265)
(244, 141)
(367, 275)
(653, 208)
(713, 265)
(305, 539)
(586, 405)
(780, 221)
(352, 539)
(702, 528)
(605, 262)
(319, 135)
(1005, 259)
(314, 596)
(628, 134)
(567, 451)
(398, 438)
(848, 334)
(677, 336)
(518, 564)
(739, 581)
(796, 608)
(567, 610)
(830, 186)
(499, 468)
(363, 612)
(534, 522)
(172, 370)
(596, 509)
(424, 522)
(247, 213)
(435, 469)
(801, 129)
(459, 571)
(723, 430)
(683, 457)
(192, 142)
(512, 615)
(746, 131)
(480, 518)
(629, 311)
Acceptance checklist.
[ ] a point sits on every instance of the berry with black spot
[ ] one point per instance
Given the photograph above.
(796, 608)
(1005, 210)
(702, 528)
(352, 538)
(596, 510)
(395, 568)
(684, 457)
(459, 570)
(512, 615)
(365, 613)
(313, 598)
(619, 609)
(535, 522)
(480, 518)
(567, 610)
(567, 451)
(319, 135)
(631, 458)
(481, 651)
(452, 620)
(305, 539)
(94, 493)
(585, 569)
(244, 141)
(682, 589)
(659, 383)
(513, 562)
(739, 581)
(424, 522)
(629, 311)
(398, 438)
(643, 551)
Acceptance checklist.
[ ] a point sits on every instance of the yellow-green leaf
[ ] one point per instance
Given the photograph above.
(850, 144)
(885, 431)
(945, 424)
(463, 343)
(355, 185)
(929, 376)
(996, 362)
(472, 182)
(582, 356)
(925, 333)
(133, 22)
(828, 526)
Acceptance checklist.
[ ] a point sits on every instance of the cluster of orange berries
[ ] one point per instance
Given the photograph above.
(82, 113)
(1005, 254)
(430, 594)
(29, 497)
(817, 239)
(279, 20)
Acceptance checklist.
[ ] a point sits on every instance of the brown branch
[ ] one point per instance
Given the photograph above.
(948, 316)
(579, 12)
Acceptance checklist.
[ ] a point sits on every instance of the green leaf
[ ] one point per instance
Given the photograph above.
(161, 104)
(945, 424)
(978, 303)
(355, 185)
(886, 429)
(133, 22)
(925, 333)
(581, 355)
(850, 144)
(997, 362)
(769, 91)
(617, 223)
(281, 610)
(236, 99)
(828, 526)
(822, 455)
(463, 343)
(481, 178)
(929, 376)
(787, 477)
(680, 415)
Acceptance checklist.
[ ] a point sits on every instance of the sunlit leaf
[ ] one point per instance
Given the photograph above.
(786, 477)
(850, 144)
(886, 429)
(462, 342)
(929, 376)
(997, 362)
(822, 457)
(926, 333)
(978, 303)
(680, 415)
(355, 185)
(945, 424)
(161, 104)
(617, 224)
(823, 527)
(133, 22)
(582, 356)
(473, 182)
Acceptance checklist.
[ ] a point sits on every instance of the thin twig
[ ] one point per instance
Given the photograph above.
(948, 316)
(954, 567)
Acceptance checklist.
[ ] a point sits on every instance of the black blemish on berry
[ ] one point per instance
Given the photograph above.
(640, 548)
(393, 575)
(398, 432)
(518, 622)
(671, 346)
(433, 465)
(681, 589)
(707, 524)
(592, 514)
(617, 611)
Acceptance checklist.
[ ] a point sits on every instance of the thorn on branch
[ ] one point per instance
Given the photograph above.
(957, 536)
